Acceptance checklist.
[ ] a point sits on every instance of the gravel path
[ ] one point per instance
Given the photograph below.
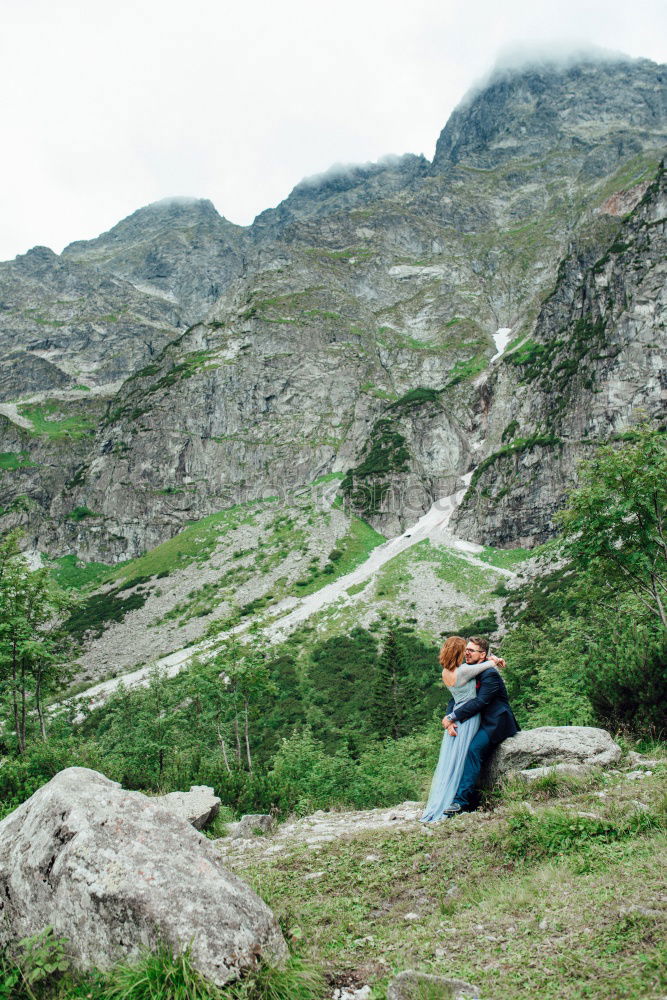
(317, 830)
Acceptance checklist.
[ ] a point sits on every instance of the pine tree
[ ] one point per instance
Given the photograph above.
(33, 646)
(391, 699)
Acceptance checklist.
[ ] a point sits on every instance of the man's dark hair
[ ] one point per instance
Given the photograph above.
(481, 642)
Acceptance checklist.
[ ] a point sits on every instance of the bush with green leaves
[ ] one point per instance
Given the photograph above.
(615, 522)
(588, 642)
(33, 646)
(554, 832)
(305, 776)
(578, 655)
(38, 963)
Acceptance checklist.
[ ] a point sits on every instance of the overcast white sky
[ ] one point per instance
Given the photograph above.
(109, 106)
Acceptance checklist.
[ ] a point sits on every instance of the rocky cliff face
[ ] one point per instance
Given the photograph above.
(351, 329)
(64, 324)
(179, 249)
(594, 367)
(593, 110)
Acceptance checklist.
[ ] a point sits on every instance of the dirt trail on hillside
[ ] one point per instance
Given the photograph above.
(434, 525)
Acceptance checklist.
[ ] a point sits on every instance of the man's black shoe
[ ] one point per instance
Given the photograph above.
(453, 809)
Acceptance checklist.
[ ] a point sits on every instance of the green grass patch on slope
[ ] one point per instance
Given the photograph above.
(195, 543)
(73, 574)
(506, 558)
(463, 371)
(51, 420)
(464, 576)
(350, 551)
(10, 460)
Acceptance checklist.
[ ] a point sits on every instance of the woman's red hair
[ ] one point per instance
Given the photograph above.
(451, 654)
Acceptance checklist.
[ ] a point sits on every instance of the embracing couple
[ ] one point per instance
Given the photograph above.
(478, 718)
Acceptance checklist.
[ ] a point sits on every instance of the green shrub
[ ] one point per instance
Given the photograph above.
(510, 431)
(94, 613)
(554, 832)
(386, 454)
(481, 626)
(578, 654)
(81, 513)
(21, 776)
(416, 397)
(306, 776)
(38, 962)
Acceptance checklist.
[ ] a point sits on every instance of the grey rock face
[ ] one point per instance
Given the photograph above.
(411, 985)
(252, 825)
(90, 327)
(197, 807)
(342, 187)
(591, 108)
(46, 464)
(113, 871)
(549, 746)
(595, 365)
(180, 248)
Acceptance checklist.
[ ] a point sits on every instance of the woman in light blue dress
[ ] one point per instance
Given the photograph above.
(459, 679)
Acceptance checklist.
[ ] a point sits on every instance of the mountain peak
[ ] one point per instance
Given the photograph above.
(531, 106)
(172, 212)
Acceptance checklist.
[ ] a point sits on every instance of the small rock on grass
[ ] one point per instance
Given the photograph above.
(252, 825)
(351, 993)
(412, 985)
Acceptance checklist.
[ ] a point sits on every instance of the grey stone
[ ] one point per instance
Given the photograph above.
(252, 825)
(114, 871)
(576, 770)
(198, 807)
(618, 299)
(412, 985)
(550, 746)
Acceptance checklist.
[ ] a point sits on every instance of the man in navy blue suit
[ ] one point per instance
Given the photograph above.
(496, 724)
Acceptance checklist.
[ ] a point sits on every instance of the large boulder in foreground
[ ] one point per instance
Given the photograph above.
(114, 871)
(568, 749)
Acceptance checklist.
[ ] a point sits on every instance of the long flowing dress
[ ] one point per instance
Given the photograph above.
(453, 749)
